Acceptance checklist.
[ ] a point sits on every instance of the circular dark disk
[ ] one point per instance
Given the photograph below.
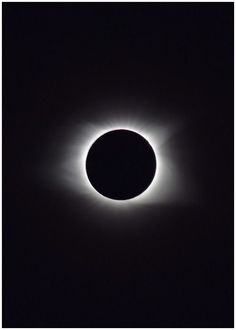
(121, 164)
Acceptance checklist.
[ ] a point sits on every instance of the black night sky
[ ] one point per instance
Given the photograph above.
(62, 265)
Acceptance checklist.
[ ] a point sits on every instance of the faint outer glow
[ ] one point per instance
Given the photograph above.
(72, 144)
(82, 164)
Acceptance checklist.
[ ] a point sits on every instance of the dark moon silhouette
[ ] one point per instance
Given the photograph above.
(121, 164)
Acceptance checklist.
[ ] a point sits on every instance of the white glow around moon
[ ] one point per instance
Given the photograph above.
(75, 141)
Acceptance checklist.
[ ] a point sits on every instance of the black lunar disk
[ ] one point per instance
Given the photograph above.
(121, 164)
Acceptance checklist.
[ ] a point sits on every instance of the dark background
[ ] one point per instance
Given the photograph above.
(174, 54)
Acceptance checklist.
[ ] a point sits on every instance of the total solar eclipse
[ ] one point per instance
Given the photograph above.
(120, 164)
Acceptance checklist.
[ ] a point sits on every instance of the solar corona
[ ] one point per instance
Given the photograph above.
(120, 163)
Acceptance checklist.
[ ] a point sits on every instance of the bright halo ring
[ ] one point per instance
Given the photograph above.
(144, 196)
(72, 144)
